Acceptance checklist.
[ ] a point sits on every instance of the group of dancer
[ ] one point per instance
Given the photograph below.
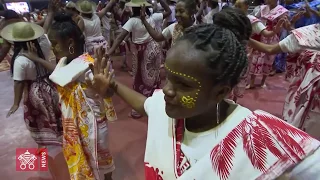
(63, 71)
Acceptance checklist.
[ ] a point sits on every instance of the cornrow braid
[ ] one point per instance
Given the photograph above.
(225, 42)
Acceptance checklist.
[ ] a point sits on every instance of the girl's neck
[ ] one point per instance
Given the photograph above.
(208, 120)
(73, 56)
(189, 24)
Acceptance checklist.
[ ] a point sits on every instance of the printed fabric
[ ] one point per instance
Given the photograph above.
(85, 144)
(302, 103)
(255, 145)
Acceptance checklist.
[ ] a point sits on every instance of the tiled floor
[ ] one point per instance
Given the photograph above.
(127, 136)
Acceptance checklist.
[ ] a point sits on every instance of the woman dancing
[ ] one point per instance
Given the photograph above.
(41, 101)
(302, 103)
(193, 133)
(147, 59)
(84, 116)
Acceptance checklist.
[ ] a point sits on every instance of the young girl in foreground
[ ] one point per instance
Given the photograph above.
(84, 116)
(193, 133)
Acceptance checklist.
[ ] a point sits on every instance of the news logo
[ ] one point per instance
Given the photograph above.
(31, 159)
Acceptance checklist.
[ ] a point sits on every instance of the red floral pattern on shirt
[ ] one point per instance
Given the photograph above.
(152, 173)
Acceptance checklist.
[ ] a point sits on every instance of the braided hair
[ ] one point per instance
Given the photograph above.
(66, 28)
(224, 42)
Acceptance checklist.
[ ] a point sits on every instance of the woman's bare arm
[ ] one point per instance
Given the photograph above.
(18, 92)
(157, 36)
(266, 48)
(106, 9)
(124, 33)
(133, 98)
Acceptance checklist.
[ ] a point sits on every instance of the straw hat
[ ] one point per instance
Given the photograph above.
(138, 3)
(21, 32)
(86, 6)
(71, 5)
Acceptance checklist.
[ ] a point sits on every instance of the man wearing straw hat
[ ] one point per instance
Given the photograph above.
(92, 23)
(72, 10)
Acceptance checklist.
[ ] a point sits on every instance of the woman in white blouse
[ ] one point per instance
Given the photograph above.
(41, 108)
(302, 103)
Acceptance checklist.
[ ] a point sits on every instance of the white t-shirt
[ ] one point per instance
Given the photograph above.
(140, 34)
(208, 18)
(92, 27)
(172, 17)
(258, 27)
(105, 22)
(197, 144)
(25, 69)
(168, 31)
(290, 44)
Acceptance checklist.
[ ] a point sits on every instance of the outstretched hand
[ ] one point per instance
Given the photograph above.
(279, 25)
(102, 73)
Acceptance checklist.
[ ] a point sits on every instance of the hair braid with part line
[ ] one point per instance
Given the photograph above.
(67, 28)
(225, 42)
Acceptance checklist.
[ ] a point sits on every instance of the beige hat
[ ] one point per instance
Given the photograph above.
(71, 5)
(86, 6)
(138, 3)
(21, 32)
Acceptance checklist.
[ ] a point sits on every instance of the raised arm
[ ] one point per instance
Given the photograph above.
(106, 9)
(52, 7)
(200, 11)
(157, 36)
(167, 11)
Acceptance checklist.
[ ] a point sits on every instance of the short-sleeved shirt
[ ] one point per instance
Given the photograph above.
(135, 26)
(258, 27)
(24, 68)
(290, 44)
(168, 31)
